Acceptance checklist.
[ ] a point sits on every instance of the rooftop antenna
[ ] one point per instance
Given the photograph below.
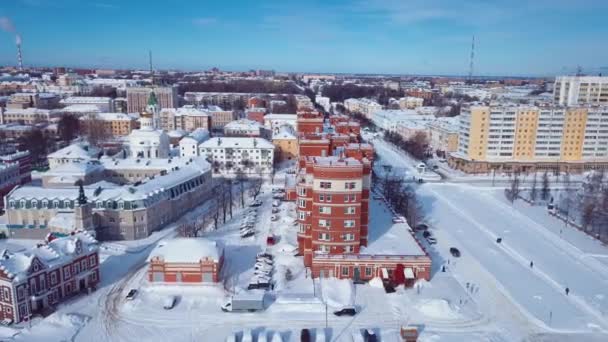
(472, 58)
(19, 55)
(151, 69)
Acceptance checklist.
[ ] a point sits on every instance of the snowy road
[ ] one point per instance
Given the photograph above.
(475, 219)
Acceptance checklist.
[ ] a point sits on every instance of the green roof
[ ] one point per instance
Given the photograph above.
(152, 99)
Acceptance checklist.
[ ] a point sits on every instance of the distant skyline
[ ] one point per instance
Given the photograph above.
(513, 38)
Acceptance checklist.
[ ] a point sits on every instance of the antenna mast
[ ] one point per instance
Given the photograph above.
(151, 69)
(472, 58)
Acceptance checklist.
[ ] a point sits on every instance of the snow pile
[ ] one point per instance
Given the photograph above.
(60, 327)
(437, 309)
(376, 282)
(337, 292)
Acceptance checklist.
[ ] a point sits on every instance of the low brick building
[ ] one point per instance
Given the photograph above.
(186, 260)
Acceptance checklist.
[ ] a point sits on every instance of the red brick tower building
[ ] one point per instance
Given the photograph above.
(333, 205)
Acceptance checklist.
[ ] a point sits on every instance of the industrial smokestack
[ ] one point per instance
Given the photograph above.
(19, 55)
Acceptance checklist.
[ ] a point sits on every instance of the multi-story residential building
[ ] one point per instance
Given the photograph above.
(578, 90)
(362, 106)
(220, 117)
(187, 118)
(410, 102)
(188, 145)
(231, 156)
(256, 114)
(243, 128)
(33, 100)
(527, 138)
(443, 134)
(113, 124)
(201, 264)
(303, 102)
(274, 122)
(286, 144)
(41, 277)
(332, 208)
(324, 102)
(137, 98)
(28, 116)
(104, 104)
(9, 178)
(24, 160)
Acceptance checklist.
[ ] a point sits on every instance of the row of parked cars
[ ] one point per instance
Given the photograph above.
(248, 223)
(262, 274)
(366, 335)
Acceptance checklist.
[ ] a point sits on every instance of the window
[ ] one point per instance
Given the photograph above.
(83, 264)
(325, 185)
(92, 260)
(349, 185)
(94, 276)
(66, 272)
(321, 198)
(6, 295)
(325, 210)
(349, 249)
(324, 236)
(349, 223)
(53, 278)
(20, 293)
(349, 237)
(76, 267)
(324, 223)
(302, 228)
(301, 215)
(301, 203)
(349, 210)
(301, 191)
(368, 271)
(324, 248)
(345, 271)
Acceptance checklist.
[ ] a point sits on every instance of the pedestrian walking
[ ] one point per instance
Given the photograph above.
(531, 264)
(567, 291)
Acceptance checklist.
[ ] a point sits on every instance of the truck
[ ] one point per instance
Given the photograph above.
(245, 302)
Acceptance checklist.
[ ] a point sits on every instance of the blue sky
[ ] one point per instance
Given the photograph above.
(513, 37)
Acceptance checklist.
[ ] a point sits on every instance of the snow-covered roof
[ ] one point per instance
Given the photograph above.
(85, 99)
(186, 111)
(78, 168)
(56, 252)
(281, 117)
(81, 108)
(74, 151)
(236, 142)
(197, 136)
(243, 124)
(114, 117)
(187, 250)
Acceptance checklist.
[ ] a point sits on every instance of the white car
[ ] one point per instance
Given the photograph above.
(169, 302)
(247, 337)
(274, 218)
(276, 203)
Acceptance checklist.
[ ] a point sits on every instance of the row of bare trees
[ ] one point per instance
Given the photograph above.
(226, 196)
(402, 197)
(417, 146)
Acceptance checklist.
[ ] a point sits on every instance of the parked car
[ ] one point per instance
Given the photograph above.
(455, 252)
(265, 260)
(263, 267)
(169, 302)
(265, 255)
(276, 337)
(421, 226)
(431, 240)
(256, 203)
(348, 311)
(247, 233)
(132, 294)
(276, 203)
(398, 219)
(261, 285)
(275, 210)
(231, 338)
(369, 335)
(262, 336)
(305, 335)
(426, 234)
(271, 240)
(274, 217)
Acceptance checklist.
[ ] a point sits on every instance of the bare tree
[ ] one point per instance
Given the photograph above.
(94, 130)
(513, 192)
(533, 190)
(545, 190)
(255, 187)
(241, 178)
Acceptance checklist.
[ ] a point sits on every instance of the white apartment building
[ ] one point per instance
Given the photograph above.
(324, 102)
(363, 106)
(410, 102)
(574, 90)
(188, 146)
(229, 155)
(105, 104)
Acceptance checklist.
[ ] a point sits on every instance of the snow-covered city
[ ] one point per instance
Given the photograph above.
(159, 203)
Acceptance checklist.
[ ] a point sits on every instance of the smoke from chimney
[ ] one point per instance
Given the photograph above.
(6, 25)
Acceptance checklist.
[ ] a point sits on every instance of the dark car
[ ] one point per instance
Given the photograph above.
(426, 234)
(131, 295)
(369, 336)
(421, 226)
(265, 255)
(305, 335)
(455, 252)
(346, 312)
